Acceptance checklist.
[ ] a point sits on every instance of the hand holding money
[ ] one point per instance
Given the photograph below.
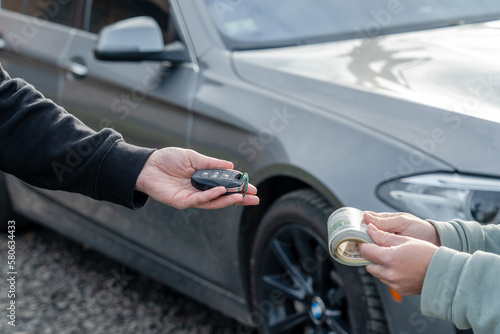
(402, 223)
(400, 262)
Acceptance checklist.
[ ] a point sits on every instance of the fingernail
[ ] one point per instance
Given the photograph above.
(368, 214)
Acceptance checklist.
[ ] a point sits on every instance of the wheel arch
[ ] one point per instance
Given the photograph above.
(269, 190)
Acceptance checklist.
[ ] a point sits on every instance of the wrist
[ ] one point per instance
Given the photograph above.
(434, 234)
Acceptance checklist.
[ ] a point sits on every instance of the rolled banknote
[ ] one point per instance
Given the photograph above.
(346, 229)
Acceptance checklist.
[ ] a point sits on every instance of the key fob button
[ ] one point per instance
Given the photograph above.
(225, 175)
(206, 173)
(216, 174)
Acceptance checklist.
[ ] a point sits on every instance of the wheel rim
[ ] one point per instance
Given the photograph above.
(300, 289)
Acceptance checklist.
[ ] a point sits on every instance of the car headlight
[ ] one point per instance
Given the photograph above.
(444, 197)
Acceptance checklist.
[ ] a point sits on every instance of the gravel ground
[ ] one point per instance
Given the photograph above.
(63, 287)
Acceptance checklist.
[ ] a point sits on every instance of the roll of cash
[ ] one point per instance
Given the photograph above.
(346, 229)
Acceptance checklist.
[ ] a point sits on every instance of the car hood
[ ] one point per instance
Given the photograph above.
(437, 90)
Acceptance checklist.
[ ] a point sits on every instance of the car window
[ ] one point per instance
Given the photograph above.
(263, 23)
(14, 5)
(51, 10)
(104, 12)
(56, 11)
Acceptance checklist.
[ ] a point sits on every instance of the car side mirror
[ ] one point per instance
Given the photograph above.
(137, 39)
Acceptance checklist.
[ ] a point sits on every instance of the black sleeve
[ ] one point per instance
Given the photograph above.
(43, 145)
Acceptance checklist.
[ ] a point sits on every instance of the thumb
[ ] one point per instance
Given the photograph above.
(385, 239)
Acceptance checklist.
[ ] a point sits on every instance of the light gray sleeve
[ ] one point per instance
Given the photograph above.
(468, 236)
(463, 288)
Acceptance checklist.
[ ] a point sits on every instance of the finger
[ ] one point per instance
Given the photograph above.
(376, 270)
(372, 252)
(252, 190)
(225, 201)
(213, 199)
(215, 163)
(385, 239)
(245, 190)
(237, 199)
(222, 202)
(385, 214)
(249, 200)
(202, 197)
(387, 221)
(381, 216)
(200, 161)
(198, 199)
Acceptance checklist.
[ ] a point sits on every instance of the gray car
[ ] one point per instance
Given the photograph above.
(379, 105)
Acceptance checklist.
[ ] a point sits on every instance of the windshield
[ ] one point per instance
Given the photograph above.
(250, 24)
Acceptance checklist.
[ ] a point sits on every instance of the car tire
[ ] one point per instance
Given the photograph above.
(296, 286)
(6, 211)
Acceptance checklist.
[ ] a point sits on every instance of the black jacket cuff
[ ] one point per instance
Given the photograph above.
(118, 172)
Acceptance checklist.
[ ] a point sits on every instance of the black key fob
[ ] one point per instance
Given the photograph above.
(234, 181)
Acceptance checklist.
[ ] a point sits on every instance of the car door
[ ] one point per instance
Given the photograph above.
(34, 37)
(147, 102)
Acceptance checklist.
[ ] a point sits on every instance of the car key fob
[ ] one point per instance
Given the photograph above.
(234, 181)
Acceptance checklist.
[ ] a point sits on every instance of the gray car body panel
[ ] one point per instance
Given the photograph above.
(272, 112)
(422, 81)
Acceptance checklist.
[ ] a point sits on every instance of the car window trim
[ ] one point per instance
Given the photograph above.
(182, 31)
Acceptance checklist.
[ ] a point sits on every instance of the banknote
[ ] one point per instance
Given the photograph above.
(346, 229)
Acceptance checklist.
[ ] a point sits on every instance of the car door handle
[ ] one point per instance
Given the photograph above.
(2, 43)
(77, 69)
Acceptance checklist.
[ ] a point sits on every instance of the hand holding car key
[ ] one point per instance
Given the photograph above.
(234, 181)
